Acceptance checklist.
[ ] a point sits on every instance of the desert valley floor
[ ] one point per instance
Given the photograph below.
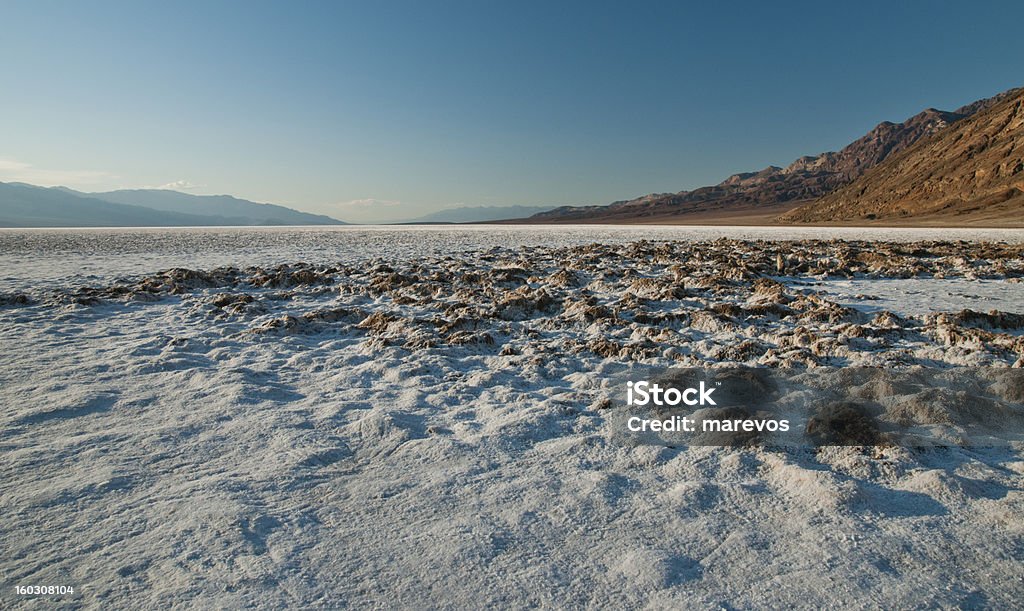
(435, 427)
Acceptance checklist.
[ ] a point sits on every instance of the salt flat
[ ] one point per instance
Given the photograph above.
(427, 428)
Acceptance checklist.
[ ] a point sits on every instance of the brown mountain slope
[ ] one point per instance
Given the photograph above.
(970, 173)
(772, 190)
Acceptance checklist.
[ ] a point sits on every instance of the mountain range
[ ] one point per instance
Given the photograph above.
(23, 205)
(764, 195)
(479, 214)
(961, 167)
(971, 172)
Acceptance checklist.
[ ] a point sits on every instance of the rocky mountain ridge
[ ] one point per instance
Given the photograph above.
(804, 180)
(972, 170)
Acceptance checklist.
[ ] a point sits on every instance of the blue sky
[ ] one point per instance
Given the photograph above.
(386, 110)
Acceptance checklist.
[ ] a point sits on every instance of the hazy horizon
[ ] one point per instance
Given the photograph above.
(392, 112)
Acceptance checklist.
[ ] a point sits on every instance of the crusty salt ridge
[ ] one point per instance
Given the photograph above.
(430, 430)
(62, 257)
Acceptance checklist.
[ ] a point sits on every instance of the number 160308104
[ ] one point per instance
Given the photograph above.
(43, 590)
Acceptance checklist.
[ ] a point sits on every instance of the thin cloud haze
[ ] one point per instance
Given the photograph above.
(177, 185)
(369, 202)
(14, 170)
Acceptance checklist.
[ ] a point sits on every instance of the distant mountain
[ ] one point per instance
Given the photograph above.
(774, 188)
(23, 205)
(479, 214)
(972, 172)
(242, 212)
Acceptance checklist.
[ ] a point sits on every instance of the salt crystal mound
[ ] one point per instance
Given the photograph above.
(683, 304)
(917, 407)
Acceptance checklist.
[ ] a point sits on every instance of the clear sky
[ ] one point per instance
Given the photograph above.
(385, 110)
